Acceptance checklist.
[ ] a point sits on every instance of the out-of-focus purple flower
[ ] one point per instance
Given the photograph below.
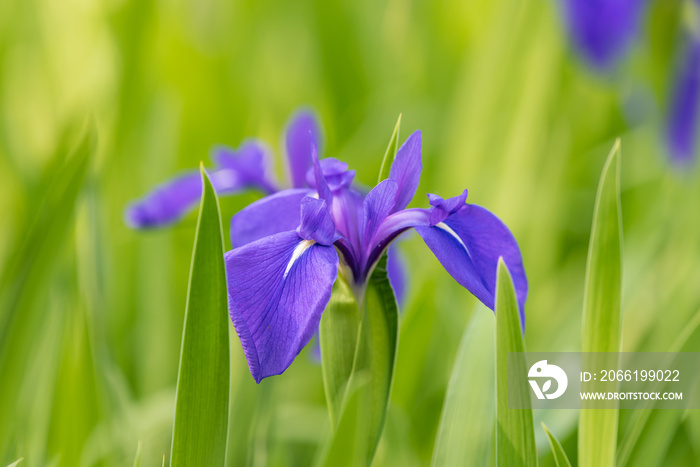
(682, 124)
(289, 248)
(235, 170)
(603, 30)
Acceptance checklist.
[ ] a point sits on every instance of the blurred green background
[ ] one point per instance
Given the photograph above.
(91, 312)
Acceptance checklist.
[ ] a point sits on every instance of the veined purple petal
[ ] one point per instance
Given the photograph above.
(167, 203)
(277, 289)
(250, 163)
(603, 30)
(406, 169)
(376, 207)
(316, 223)
(468, 244)
(268, 216)
(681, 133)
(301, 131)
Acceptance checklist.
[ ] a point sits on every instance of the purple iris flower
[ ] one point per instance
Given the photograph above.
(683, 110)
(235, 170)
(603, 30)
(290, 247)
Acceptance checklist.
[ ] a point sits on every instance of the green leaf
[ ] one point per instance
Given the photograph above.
(137, 458)
(601, 313)
(515, 436)
(201, 405)
(30, 267)
(466, 426)
(390, 153)
(651, 431)
(366, 399)
(338, 331)
(16, 463)
(557, 451)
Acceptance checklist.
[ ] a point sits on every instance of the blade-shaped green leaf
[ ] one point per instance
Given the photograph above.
(137, 457)
(16, 463)
(466, 426)
(390, 153)
(560, 457)
(652, 431)
(601, 313)
(31, 263)
(367, 394)
(201, 405)
(340, 324)
(515, 437)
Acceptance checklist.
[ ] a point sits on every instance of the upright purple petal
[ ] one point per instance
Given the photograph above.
(603, 30)
(267, 216)
(336, 173)
(324, 191)
(301, 131)
(277, 289)
(316, 223)
(376, 207)
(468, 244)
(250, 163)
(681, 132)
(406, 169)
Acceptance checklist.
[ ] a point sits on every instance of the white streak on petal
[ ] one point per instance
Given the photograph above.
(448, 229)
(298, 251)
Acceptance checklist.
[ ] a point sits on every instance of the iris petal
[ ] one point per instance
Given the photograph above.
(603, 30)
(301, 131)
(236, 170)
(267, 216)
(277, 289)
(376, 207)
(316, 223)
(683, 115)
(406, 169)
(468, 245)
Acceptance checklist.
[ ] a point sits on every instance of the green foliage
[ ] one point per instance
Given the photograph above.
(466, 426)
(366, 398)
(201, 410)
(515, 436)
(559, 455)
(390, 153)
(601, 313)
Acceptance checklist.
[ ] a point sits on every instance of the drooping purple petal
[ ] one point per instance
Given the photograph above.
(167, 203)
(277, 289)
(301, 131)
(681, 131)
(468, 244)
(603, 30)
(235, 170)
(267, 216)
(406, 169)
(316, 223)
